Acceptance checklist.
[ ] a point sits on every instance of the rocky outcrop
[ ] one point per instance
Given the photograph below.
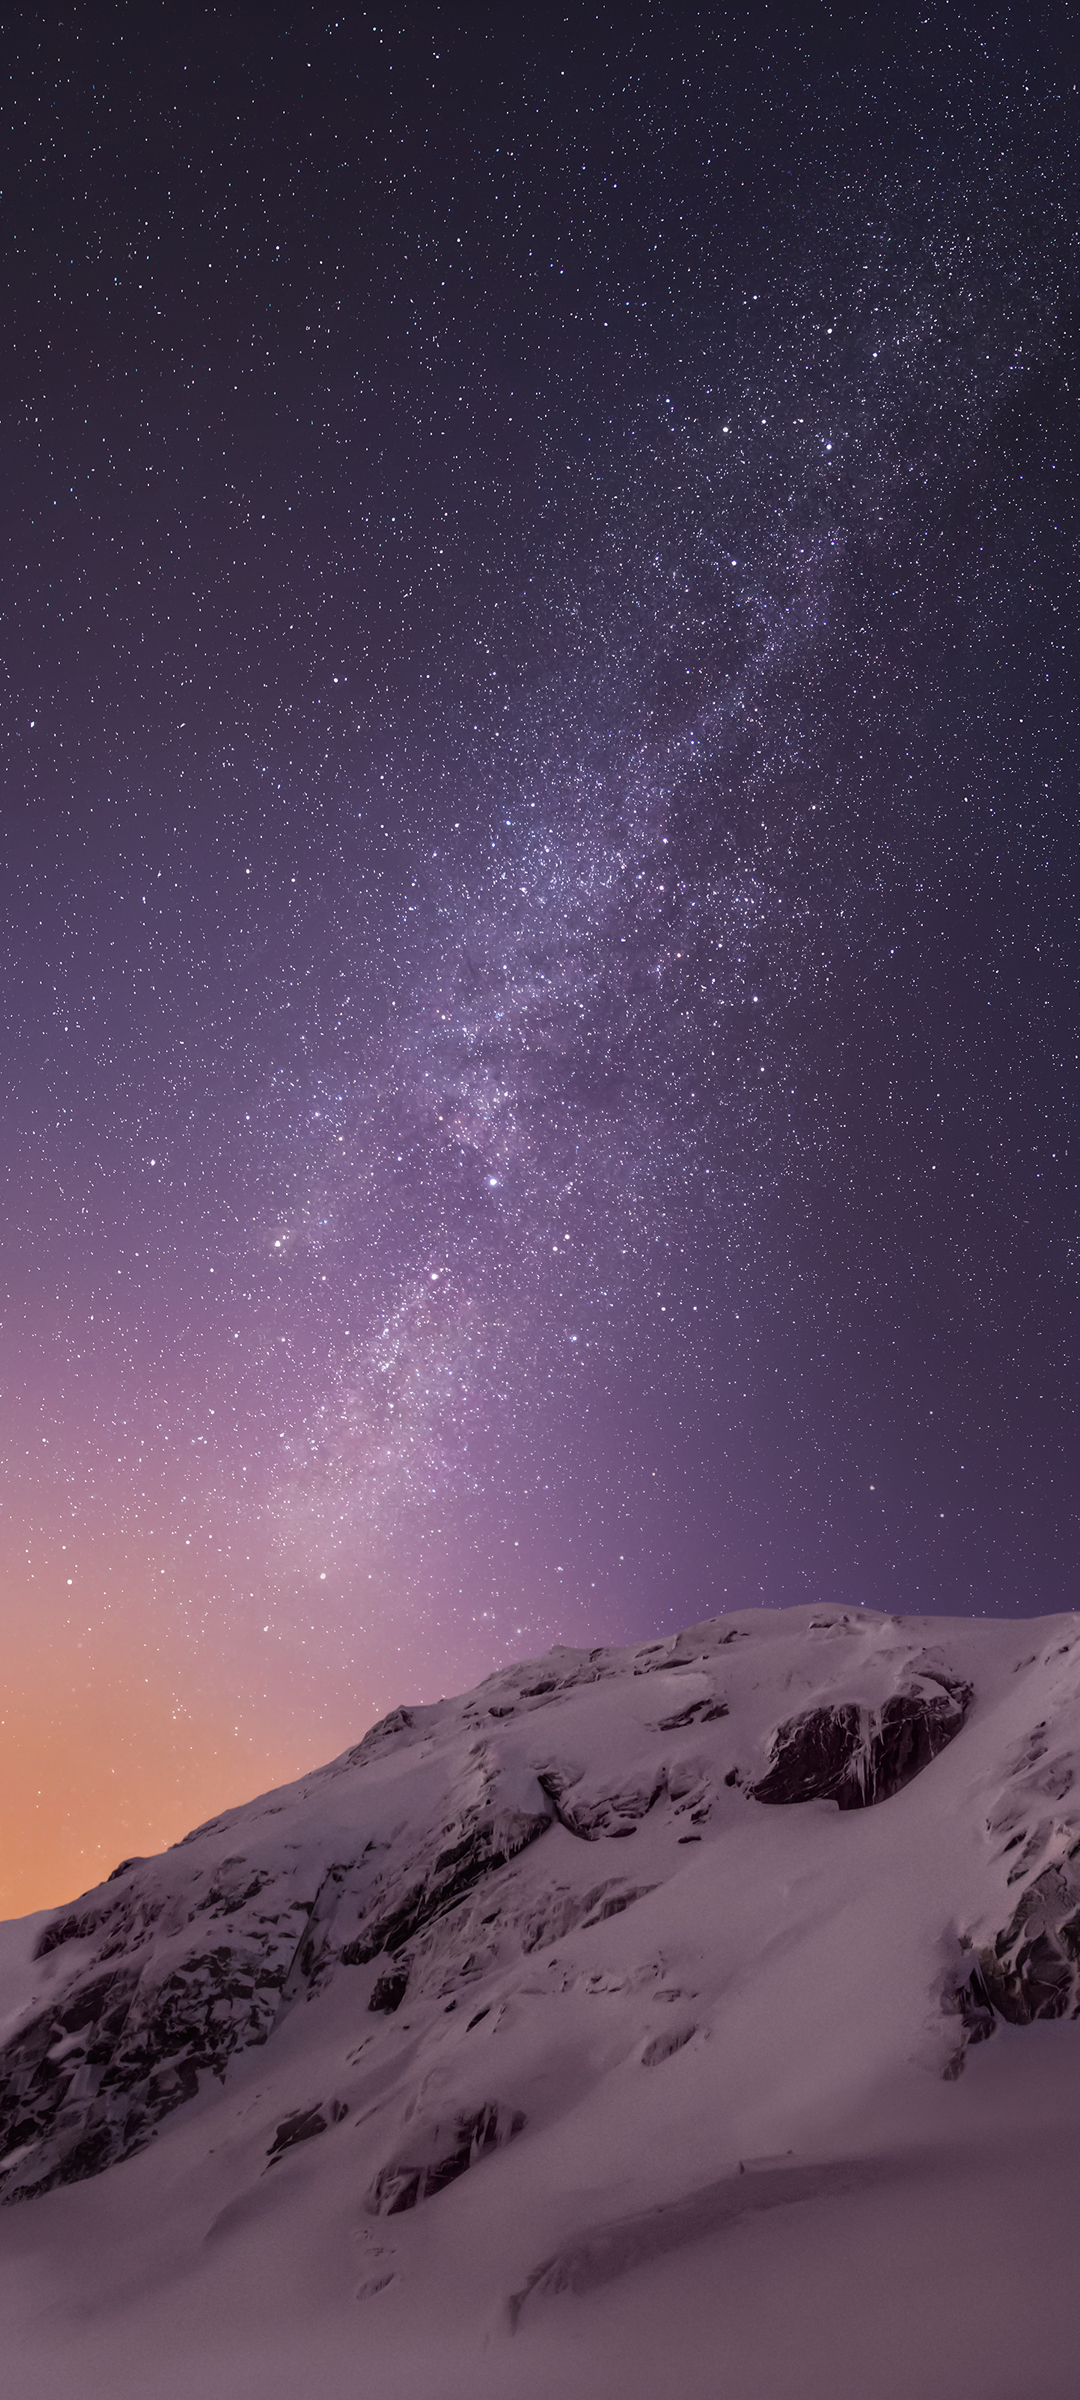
(811, 1756)
(389, 1992)
(452, 1874)
(437, 2154)
(600, 1809)
(697, 1712)
(86, 2081)
(598, 1816)
(666, 2044)
(1033, 1968)
(858, 1756)
(1030, 1970)
(304, 2125)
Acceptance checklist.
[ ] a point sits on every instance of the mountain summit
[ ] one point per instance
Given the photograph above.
(602, 2031)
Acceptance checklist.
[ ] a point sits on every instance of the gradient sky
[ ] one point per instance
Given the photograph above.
(539, 948)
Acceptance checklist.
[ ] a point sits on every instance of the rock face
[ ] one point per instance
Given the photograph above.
(90, 2076)
(438, 2154)
(302, 2127)
(461, 1854)
(857, 1756)
(1032, 1969)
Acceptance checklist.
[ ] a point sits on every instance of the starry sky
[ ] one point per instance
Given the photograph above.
(539, 906)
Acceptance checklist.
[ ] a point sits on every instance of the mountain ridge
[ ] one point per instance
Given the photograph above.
(688, 1909)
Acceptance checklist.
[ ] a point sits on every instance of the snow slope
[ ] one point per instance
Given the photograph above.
(621, 2028)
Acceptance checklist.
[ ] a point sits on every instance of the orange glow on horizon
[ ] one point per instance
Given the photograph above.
(100, 1760)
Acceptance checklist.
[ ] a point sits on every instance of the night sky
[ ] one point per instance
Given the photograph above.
(539, 815)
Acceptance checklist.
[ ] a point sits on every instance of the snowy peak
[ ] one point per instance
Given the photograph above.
(430, 1867)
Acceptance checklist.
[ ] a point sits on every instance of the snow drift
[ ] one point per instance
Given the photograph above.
(584, 2032)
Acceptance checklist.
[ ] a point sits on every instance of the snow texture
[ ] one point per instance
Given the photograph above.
(580, 2033)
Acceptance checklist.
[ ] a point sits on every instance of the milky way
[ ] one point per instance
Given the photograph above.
(593, 1070)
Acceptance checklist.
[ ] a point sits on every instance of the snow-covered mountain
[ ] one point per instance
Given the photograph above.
(600, 2032)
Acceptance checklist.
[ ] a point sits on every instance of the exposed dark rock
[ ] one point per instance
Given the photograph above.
(614, 1903)
(664, 2045)
(87, 2080)
(390, 1990)
(559, 1910)
(699, 1712)
(315, 1944)
(75, 1928)
(439, 2154)
(811, 1756)
(225, 1901)
(1030, 1970)
(595, 1817)
(857, 1756)
(300, 2128)
(304, 2125)
(912, 1729)
(1040, 1984)
(456, 1869)
(969, 2001)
